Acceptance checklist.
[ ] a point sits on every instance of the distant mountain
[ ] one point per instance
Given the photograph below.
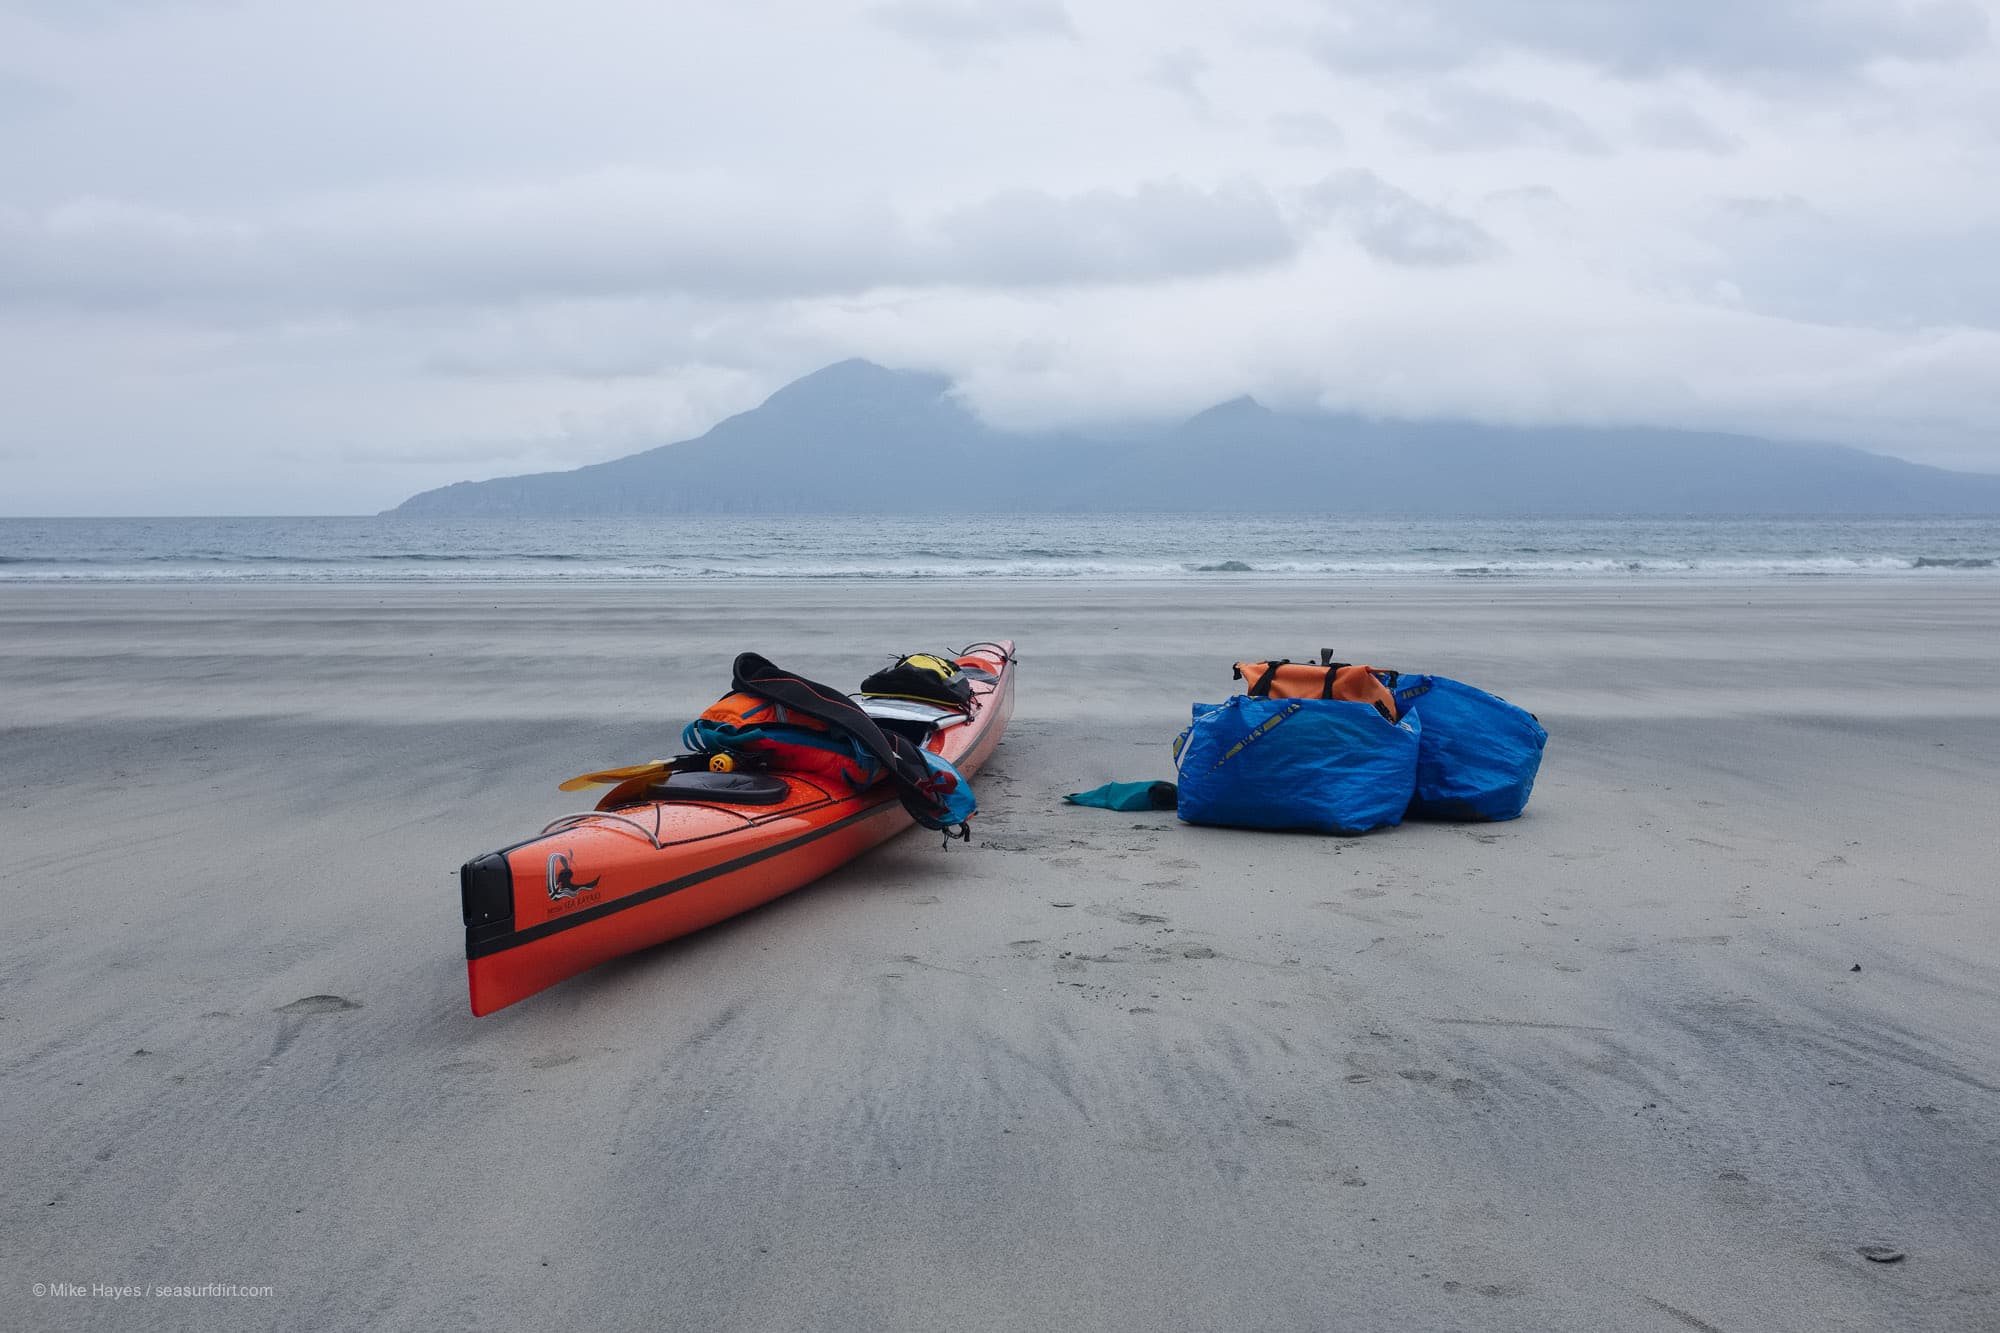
(856, 438)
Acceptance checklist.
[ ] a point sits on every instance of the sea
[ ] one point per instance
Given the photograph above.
(1103, 547)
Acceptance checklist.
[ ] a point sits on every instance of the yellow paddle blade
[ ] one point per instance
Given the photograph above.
(657, 768)
(626, 792)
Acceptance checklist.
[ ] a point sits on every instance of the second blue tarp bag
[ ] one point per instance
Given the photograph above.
(1479, 754)
(1323, 765)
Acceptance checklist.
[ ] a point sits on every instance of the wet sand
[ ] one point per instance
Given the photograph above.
(1607, 1066)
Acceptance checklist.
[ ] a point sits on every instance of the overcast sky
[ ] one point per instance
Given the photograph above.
(283, 256)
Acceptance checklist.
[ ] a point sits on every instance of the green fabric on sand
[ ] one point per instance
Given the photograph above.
(1127, 796)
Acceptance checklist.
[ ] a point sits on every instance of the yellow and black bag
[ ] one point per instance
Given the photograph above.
(925, 677)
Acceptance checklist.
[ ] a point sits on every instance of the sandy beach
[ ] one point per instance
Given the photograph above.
(1608, 1066)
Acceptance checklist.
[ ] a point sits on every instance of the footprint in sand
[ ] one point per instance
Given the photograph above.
(320, 1004)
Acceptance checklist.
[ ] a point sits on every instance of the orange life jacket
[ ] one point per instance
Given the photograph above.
(778, 737)
(740, 710)
(1301, 680)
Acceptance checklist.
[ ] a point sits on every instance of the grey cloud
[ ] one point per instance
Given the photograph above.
(1179, 72)
(1784, 257)
(613, 237)
(22, 97)
(1304, 129)
(1765, 207)
(1164, 229)
(84, 13)
(600, 340)
(472, 250)
(1533, 215)
(633, 338)
(1458, 118)
(1394, 225)
(955, 28)
(100, 254)
(1533, 195)
(1680, 128)
(1644, 38)
(470, 452)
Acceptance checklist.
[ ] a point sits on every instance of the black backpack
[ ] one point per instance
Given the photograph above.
(925, 677)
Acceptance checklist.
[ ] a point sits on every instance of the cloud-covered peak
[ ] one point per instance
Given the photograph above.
(858, 378)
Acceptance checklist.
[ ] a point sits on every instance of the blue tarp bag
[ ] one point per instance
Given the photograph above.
(1479, 754)
(1325, 765)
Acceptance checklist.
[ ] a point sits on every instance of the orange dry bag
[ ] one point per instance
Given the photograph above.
(1301, 680)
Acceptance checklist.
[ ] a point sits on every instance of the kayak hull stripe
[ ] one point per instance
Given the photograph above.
(513, 939)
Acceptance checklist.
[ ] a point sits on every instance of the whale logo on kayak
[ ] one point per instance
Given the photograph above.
(562, 878)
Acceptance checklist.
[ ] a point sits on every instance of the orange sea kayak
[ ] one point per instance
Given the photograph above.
(599, 884)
